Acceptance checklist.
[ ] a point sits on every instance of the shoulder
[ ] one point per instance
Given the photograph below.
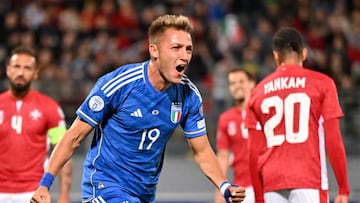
(123, 75)
(317, 75)
(43, 97)
(228, 114)
(4, 94)
(189, 87)
(46, 103)
(320, 80)
(125, 71)
(260, 85)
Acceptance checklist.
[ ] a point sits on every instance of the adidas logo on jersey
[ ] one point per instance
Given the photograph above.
(136, 113)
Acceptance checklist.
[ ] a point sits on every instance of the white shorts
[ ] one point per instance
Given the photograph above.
(250, 195)
(24, 197)
(297, 196)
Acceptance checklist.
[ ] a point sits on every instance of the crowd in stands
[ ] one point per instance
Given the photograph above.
(79, 40)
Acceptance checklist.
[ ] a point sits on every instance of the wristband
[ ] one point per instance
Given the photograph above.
(224, 188)
(47, 180)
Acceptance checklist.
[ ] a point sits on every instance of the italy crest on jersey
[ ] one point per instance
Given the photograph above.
(175, 112)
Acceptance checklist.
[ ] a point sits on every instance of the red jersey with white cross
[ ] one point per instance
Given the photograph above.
(233, 136)
(289, 106)
(23, 139)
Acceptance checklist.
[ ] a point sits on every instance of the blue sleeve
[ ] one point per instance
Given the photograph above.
(194, 124)
(96, 106)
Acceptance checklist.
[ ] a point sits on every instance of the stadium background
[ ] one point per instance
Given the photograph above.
(79, 40)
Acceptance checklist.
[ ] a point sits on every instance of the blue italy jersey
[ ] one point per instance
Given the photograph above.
(133, 122)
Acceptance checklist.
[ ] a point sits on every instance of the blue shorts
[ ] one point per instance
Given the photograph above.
(120, 197)
(109, 192)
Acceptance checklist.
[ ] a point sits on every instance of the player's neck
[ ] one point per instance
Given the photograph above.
(291, 61)
(19, 94)
(240, 105)
(290, 58)
(157, 80)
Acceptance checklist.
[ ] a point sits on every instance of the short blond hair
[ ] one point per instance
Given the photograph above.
(161, 23)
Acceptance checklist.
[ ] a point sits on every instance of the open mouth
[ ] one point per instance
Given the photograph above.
(180, 68)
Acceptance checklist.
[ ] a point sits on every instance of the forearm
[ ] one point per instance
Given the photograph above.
(255, 144)
(210, 166)
(340, 170)
(67, 145)
(223, 158)
(60, 155)
(336, 153)
(256, 182)
(206, 159)
(65, 182)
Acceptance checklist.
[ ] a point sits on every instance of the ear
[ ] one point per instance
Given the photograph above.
(36, 75)
(153, 50)
(304, 54)
(276, 58)
(7, 70)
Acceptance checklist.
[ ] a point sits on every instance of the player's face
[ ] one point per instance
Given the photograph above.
(21, 71)
(174, 52)
(239, 85)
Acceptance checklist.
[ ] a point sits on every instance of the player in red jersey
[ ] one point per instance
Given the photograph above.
(27, 119)
(232, 136)
(293, 121)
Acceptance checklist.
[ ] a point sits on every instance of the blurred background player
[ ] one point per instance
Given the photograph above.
(294, 115)
(232, 136)
(28, 119)
(134, 110)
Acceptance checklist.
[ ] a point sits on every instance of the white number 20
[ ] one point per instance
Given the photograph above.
(284, 109)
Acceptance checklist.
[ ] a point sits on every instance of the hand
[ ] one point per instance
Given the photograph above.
(41, 195)
(341, 199)
(234, 194)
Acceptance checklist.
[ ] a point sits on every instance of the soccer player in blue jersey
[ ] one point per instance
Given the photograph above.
(134, 110)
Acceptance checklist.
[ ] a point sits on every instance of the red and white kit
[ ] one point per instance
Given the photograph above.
(290, 107)
(23, 136)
